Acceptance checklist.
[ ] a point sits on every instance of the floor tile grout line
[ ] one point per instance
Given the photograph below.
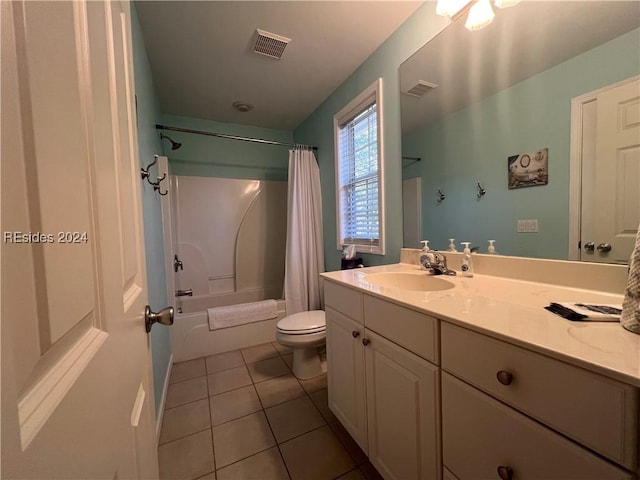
(247, 457)
(167, 409)
(305, 392)
(183, 437)
(273, 434)
(213, 444)
(284, 462)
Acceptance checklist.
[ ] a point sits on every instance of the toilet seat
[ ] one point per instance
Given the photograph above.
(303, 323)
(301, 332)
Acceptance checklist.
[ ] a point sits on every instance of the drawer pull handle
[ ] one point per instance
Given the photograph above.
(505, 378)
(366, 341)
(355, 334)
(505, 473)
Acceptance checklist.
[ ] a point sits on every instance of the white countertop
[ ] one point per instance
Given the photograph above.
(513, 310)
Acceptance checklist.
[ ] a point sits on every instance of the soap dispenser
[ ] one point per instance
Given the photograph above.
(467, 261)
(491, 250)
(452, 245)
(426, 253)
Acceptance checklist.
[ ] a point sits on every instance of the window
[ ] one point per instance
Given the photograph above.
(358, 138)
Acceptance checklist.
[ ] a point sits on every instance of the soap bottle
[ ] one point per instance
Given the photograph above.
(426, 253)
(452, 245)
(491, 250)
(467, 262)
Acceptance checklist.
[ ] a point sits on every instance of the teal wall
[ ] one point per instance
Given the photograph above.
(317, 130)
(208, 156)
(148, 114)
(472, 145)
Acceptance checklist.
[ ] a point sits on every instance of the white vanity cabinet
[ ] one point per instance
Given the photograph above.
(510, 438)
(386, 396)
(346, 374)
(483, 438)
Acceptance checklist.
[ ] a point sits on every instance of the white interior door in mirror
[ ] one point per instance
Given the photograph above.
(77, 392)
(611, 174)
(412, 212)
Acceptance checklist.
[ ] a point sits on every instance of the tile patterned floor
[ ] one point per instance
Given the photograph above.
(243, 415)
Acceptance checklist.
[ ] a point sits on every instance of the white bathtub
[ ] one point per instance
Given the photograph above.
(191, 337)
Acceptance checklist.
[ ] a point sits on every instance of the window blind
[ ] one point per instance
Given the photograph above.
(359, 179)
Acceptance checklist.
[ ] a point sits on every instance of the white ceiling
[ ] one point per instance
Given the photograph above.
(200, 54)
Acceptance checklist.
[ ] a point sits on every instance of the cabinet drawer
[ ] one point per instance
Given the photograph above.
(343, 299)
(596, 411)
(480, 435)
(415, 331)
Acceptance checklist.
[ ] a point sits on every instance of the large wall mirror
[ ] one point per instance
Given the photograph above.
(491, 145)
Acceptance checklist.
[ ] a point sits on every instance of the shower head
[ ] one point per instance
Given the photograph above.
(174, 145)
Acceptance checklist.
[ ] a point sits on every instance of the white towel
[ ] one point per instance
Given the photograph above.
(242, 313)
(631, 305)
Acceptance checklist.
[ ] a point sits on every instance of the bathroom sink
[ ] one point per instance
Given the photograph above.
(421, 282)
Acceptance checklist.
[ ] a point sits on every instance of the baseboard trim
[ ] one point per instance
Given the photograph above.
(163, 400)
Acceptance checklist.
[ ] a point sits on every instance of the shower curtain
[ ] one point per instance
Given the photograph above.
(304, 257)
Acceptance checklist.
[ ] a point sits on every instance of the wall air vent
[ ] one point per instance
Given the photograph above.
(270, 44)
(420, 88)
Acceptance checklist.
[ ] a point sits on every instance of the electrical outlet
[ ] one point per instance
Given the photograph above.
(528, 226)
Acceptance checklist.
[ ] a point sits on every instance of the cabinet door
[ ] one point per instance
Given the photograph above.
(402, 409)
(481, 435)
(345, 374)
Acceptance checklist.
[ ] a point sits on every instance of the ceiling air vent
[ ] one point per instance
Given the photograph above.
(270, 44)
(421, 88)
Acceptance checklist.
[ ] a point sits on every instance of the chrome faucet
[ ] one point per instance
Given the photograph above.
(436, 263)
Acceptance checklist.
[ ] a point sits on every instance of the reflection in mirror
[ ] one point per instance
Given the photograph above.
(502, 95)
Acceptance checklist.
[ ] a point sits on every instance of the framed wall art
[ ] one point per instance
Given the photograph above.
(529, 169)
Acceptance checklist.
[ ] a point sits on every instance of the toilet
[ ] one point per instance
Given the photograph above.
(304, 332)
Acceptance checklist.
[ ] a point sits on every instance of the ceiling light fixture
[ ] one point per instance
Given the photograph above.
(451, 8)
(480, 11)
(242, 107)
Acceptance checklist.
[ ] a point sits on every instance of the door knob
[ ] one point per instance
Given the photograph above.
(505, 377)
(589, 246)
(505, 472)
(355, 334)
(164, 316)
(603, 248)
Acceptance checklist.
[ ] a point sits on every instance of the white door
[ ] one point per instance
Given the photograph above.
(77, 394)
(611, 183)
(412, 212)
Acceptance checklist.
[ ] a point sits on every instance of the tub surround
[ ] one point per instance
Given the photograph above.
(430, 384)
(512, 310)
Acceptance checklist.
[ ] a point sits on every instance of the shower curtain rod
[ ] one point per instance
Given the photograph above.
(233, 137)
